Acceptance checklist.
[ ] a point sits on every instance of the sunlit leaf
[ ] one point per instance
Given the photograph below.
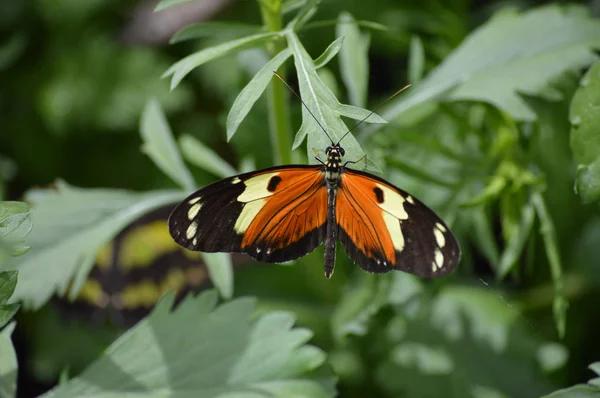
(204, 157)
(558, 39)
(253, 90)
(158, 143)
(15, 223)
(585, 137)
(202, 350)
(71, 225)
(181, 68)
(354, 59)
(324, 106)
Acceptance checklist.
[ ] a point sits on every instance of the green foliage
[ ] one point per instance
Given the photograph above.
(210, 351)
(495, 63)
(8, 363)
(160, 146)
(585, 138)
(71, 225)
(590, 390)
(481, 137)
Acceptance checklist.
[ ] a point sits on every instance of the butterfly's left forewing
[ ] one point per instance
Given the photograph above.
(274, 215)
(384, 228)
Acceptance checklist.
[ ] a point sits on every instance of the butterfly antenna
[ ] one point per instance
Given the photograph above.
(374, 110)
(297, 96)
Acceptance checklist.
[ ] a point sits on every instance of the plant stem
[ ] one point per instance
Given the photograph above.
(278, 108)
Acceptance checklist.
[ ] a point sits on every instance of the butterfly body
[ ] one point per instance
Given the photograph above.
(282, 213)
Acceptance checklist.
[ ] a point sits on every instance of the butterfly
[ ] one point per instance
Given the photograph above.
(282, 213)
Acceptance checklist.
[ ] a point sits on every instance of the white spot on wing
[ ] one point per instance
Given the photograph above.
(440, 227)
(248, 213)
(236, 180)
(393, 203)
(410, 199)
(195, 241)
(439, 259)
(193, 211)
(194, 201)
(191, 231)
(256, 188)
(393, 226)
(439, 237)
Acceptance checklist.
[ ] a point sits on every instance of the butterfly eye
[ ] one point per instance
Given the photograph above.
(327, 150)
(342, 152)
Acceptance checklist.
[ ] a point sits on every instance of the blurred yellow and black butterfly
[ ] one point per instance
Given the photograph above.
(134, 270)
(282, 213)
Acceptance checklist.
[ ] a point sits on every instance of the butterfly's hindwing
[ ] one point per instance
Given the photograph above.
(384, 228)
(274, 215)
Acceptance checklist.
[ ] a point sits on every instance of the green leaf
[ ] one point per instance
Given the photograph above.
(164, 4)
(8, 363)
(158, 143)
(204, 157)
(494, 63)
(220, 270)
(587, 181)
(304, 14)
(324, 106)
(548, 233)
(354, 59)
(202, 350)
(330, 52)
(216, 29)
(585, 138)
(181, 68)
(71, 225)
(590, 390)
(8, 281)
(516, 245)
(253, 90)
(416, 60)
(15, 221)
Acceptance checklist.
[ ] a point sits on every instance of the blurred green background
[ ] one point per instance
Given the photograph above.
(75, 76)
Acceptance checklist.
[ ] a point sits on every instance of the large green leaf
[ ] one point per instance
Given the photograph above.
(515, 52)
(324, 107)
(181, 68)
(585, 136)
(8, 363)
(71, 225)
(354, 59)
(200, 350)
(161, 147)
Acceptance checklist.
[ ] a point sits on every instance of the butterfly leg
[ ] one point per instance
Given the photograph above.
(330, 237)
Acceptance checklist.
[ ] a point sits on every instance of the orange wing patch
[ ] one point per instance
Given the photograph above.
(297, 206)
(359, 216)
(384, 228)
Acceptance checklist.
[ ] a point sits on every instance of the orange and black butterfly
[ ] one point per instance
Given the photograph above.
(282, 213)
